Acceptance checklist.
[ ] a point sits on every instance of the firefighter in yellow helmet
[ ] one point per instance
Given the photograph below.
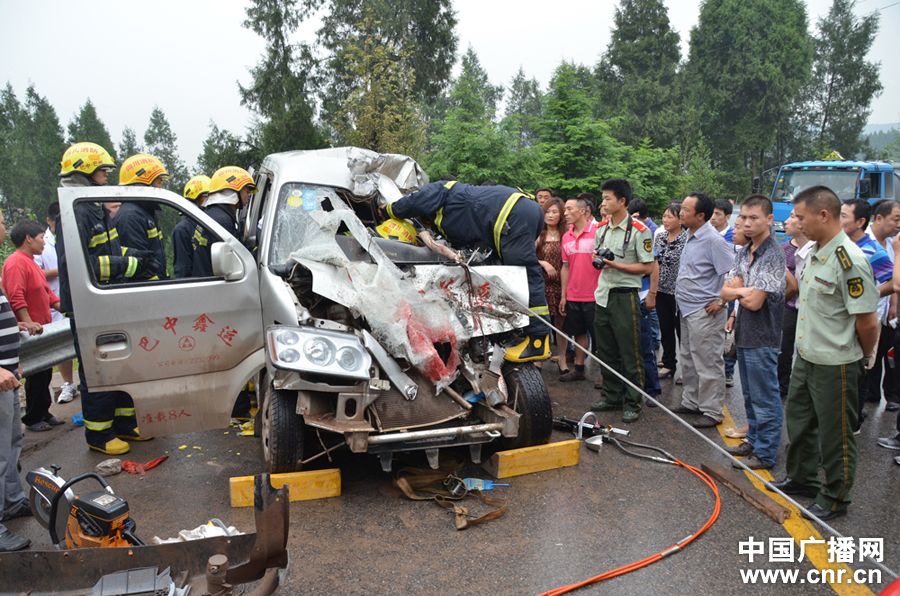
(109, 418)
(138, 221)
(229, 190)
(196, 190)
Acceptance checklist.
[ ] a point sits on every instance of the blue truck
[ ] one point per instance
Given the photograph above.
(871, 180)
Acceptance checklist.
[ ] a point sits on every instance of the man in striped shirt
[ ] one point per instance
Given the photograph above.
(12, 496)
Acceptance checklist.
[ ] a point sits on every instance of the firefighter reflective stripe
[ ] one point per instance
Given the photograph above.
(103, 261)
(132, 267)
(450, 184)
(124, 412)
(104, 425)
(103, 238)
(501, 219)
(543, 311)
(390, 210)
(438, 219)
(199, 238)
(154, 233)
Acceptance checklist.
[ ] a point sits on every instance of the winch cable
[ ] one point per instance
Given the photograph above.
(502, 288)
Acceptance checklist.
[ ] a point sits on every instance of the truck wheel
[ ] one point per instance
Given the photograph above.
(528, 394)
(282, 432)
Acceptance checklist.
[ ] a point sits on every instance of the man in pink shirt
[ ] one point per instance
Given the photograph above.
(578, 279)
(25, 285)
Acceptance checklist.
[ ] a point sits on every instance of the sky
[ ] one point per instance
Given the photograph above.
(187, 56)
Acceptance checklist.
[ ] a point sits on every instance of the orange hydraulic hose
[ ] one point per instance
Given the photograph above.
(678, 546)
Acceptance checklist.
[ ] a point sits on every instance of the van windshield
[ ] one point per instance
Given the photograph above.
(792, 182)
(297, 205)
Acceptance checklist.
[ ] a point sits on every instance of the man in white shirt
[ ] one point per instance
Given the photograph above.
(48, 262)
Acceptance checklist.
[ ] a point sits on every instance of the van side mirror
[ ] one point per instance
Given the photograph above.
(756, 185)
(865, 188)
(226, 262)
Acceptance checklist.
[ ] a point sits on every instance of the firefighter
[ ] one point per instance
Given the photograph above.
(499, 217)
(138, 221)
(196, 190)
(109, 415)
(229, 190)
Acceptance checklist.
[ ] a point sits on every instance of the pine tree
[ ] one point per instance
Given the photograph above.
(222, 148)
(379, 112)
(421, 31)
(844, 83)
(468, 143)
(748, 61)
(129, 145)
(47, 147)
(636, 75)
(87, 127)
(523, 110)
(162, 143)
(279, 92)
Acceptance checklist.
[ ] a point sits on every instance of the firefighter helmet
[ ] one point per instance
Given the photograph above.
(231, 177)
(141, 169)
(85, 158)
(398, 229)
(196, 186)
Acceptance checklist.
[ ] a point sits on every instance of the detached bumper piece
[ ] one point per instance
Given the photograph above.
(196, 567)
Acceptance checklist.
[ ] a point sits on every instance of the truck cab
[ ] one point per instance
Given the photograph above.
(870, 180)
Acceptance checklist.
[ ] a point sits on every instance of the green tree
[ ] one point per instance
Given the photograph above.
(161, 142)
(278, 92)
(844, 82)
(421, 31)
(379, 112)
(86, 126)
(129, 145)
(576, 150)
(636, 75)
(748, 61)
(523, 110)
(45, 135)
(468, 142)
(222, 148)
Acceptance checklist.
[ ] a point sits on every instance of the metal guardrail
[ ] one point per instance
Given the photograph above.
(39, 352)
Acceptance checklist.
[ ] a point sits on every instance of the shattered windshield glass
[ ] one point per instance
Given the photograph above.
(296, 204)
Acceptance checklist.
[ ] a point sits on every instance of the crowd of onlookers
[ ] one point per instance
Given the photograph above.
(723, 296)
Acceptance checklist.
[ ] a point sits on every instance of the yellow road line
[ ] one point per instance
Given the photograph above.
(799, 527)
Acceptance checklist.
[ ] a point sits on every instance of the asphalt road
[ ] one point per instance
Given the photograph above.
(562, 525)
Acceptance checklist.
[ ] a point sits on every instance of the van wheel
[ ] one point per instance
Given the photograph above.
(527, 394)
(282, 432)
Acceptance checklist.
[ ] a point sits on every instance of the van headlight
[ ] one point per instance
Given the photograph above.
(319, 351)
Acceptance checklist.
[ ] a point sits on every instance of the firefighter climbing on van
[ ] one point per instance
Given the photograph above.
(501, 218)
(109, 417)
(229, 190)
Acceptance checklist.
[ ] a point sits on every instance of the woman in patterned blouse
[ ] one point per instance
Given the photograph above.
(549, 250)
(669, 243)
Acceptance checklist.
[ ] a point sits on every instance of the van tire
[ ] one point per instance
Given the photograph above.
(282, 432)
(527, 394)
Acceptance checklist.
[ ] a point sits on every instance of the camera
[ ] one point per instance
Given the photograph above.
(599, 255)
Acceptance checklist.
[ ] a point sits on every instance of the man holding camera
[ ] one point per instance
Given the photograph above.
(624, 252)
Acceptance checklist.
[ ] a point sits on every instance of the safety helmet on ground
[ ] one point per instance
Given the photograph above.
(196, 186)
(85, 158)
(398, 229)
(141, 169)
(231, 177)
